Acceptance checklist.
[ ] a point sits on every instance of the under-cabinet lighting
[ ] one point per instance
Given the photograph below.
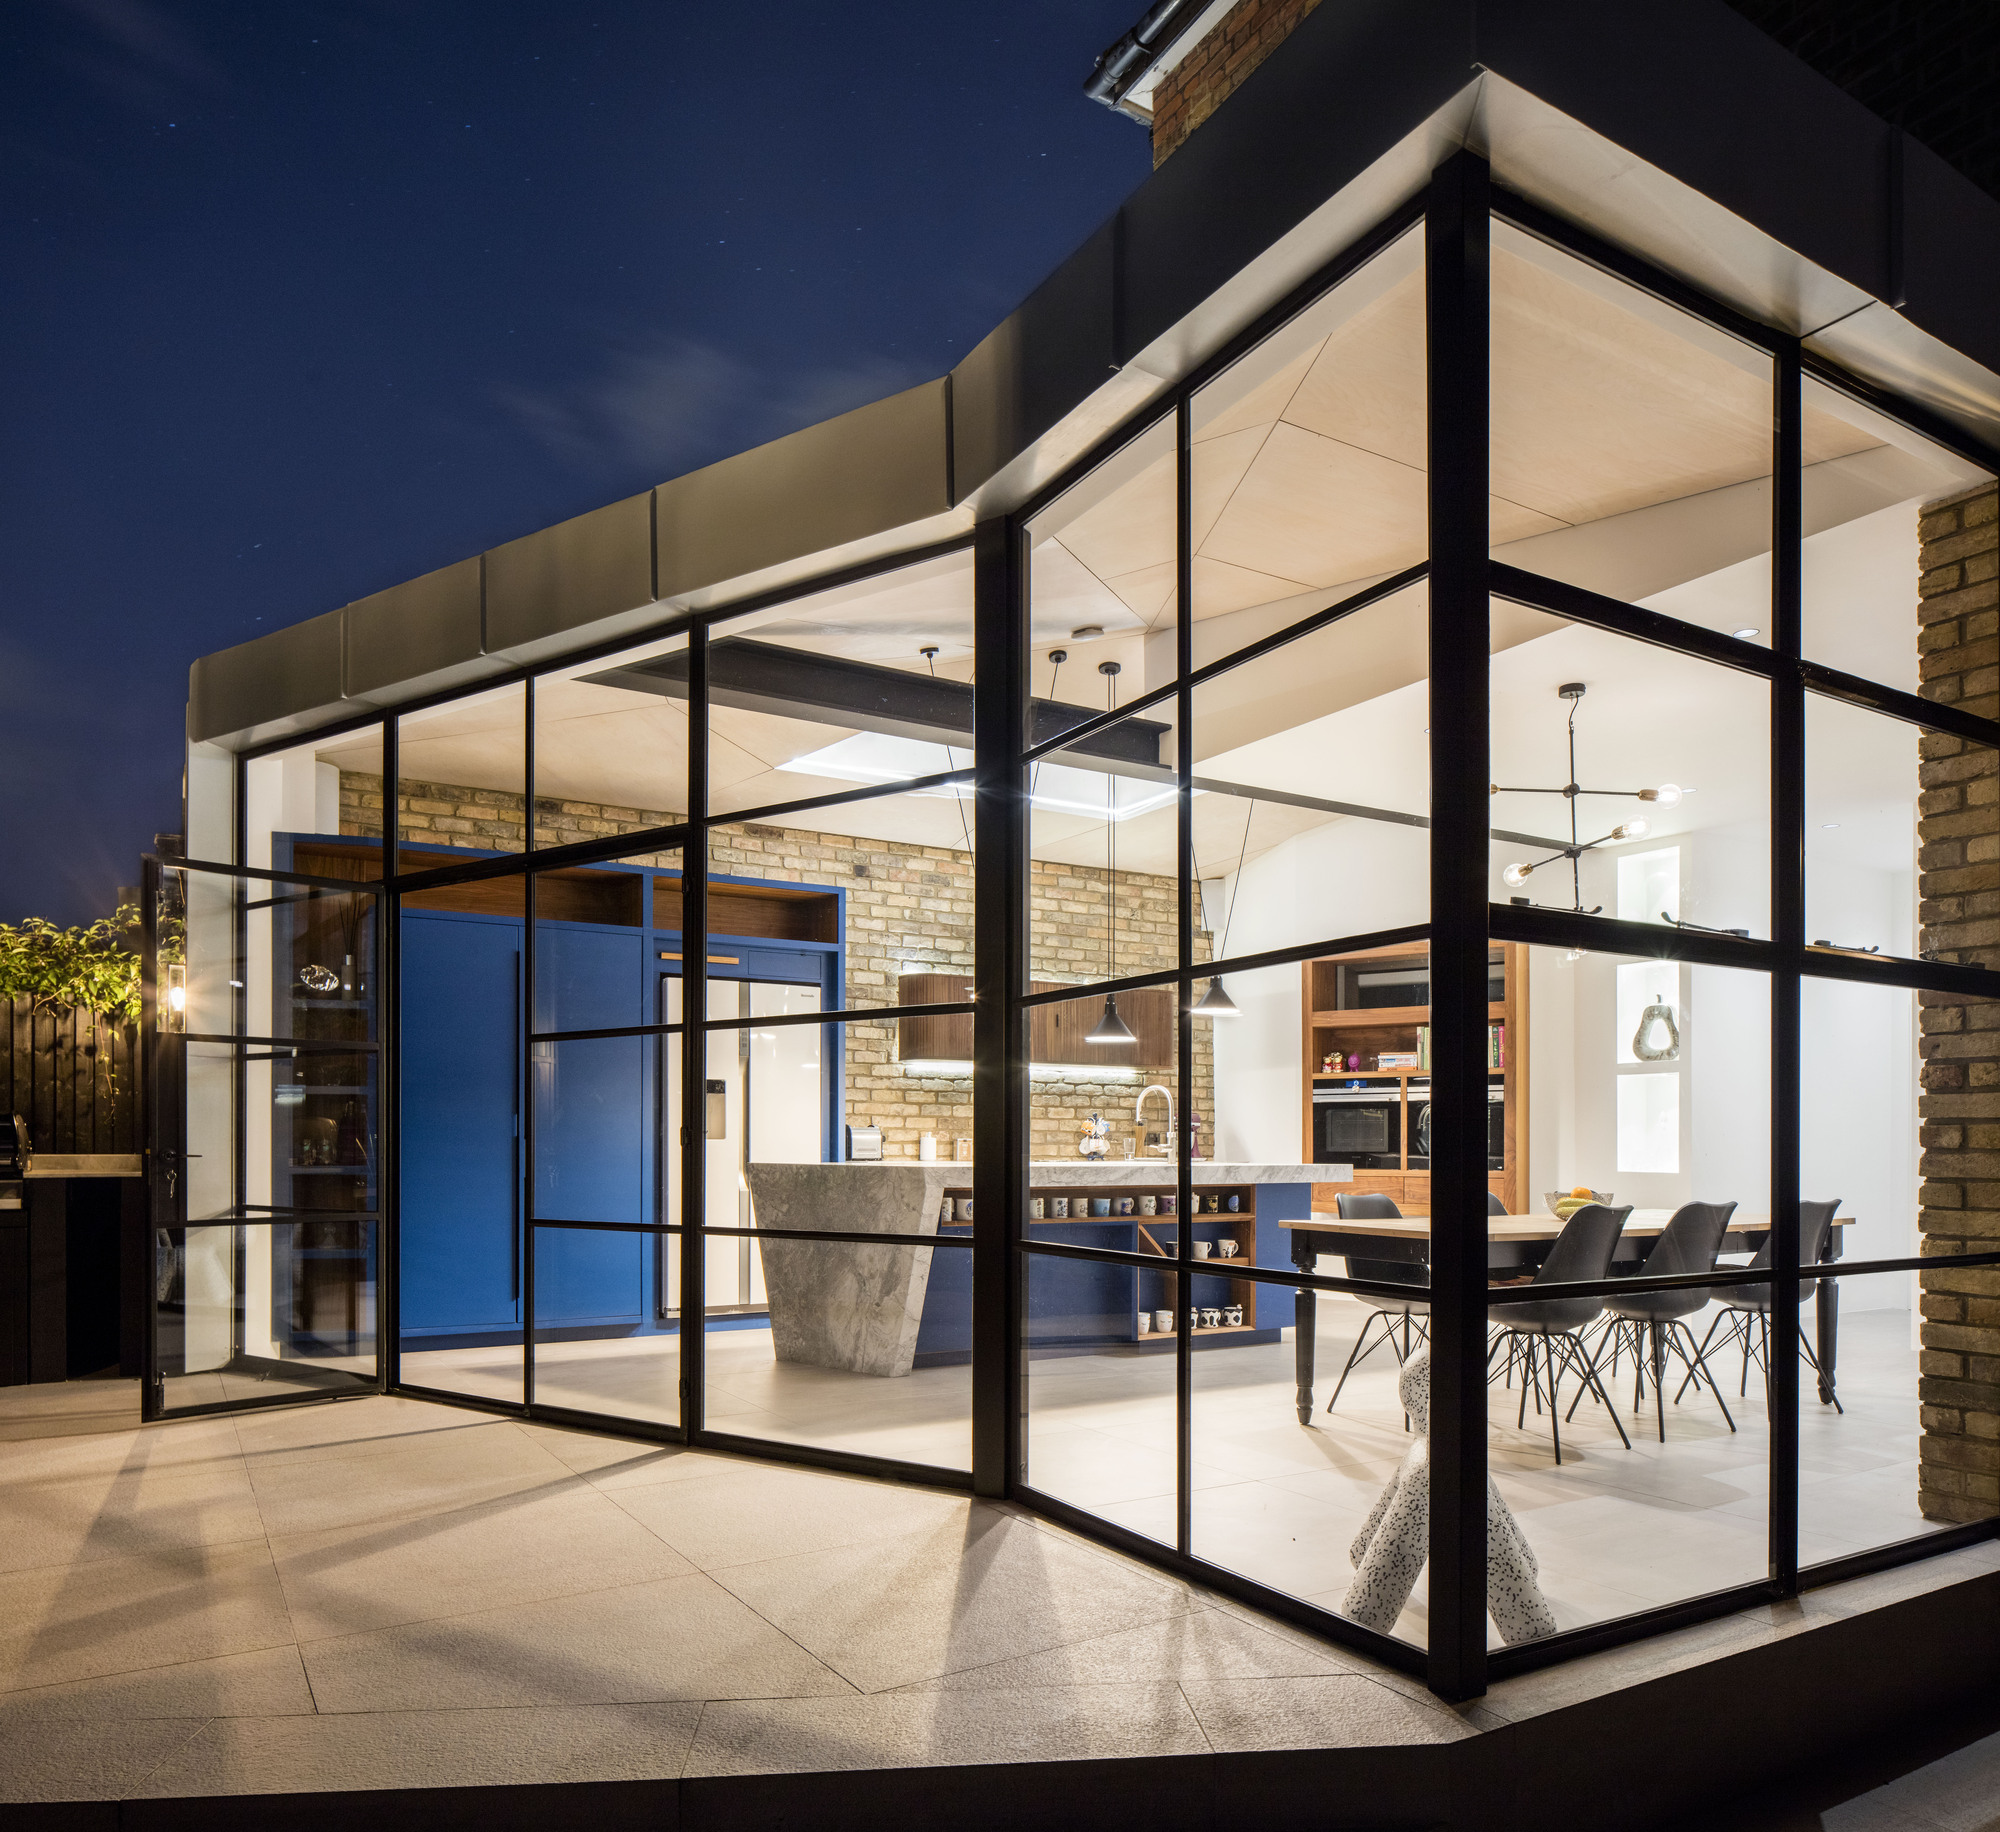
(1039, 1071)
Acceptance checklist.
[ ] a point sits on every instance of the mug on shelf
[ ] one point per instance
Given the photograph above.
(1203, 1248)
(1149, 1205)
(1059, 1208)
(1225, 1248)
(1125, 1205)
(1167, 1204)
(1232, 1314)
(1211, 1205)
(1035, 1207)
(1211, 1317)
(1100, 1205)
(1145, 1322)
(965, 1208)
(1235, 1204)
(1163, 1322)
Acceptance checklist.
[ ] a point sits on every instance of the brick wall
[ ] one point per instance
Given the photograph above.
(1203, 80)
(909, 909)
(1958, 918)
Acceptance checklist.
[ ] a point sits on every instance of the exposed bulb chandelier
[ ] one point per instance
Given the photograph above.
(1518, 874)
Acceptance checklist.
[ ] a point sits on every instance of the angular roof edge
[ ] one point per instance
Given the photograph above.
(1673, 128)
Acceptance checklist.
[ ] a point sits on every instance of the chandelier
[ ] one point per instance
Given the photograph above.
(1517, 874)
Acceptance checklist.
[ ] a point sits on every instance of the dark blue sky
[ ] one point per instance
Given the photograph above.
(304, 299)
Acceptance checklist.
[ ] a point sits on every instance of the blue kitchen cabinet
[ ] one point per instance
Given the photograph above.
(592, 1099)
(461, 1208)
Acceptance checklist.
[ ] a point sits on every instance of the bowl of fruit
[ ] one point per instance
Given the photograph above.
(1565, 1203)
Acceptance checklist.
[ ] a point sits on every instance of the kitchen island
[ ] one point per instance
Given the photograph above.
(882, 1310)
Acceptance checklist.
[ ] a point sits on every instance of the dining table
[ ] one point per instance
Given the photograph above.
(1516, 1245)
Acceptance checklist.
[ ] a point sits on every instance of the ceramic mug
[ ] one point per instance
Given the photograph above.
(1163, 1322)
(1167, 1204)
(1212, 1205)
(1149, 1205)
(1035, 1208)
(1235, 1203)
(1203, 1248)
(1211, 1318)
(1100, 1205)
(1225, 1249)
(965, 1208)
(1059, 1208)
(1125, 1205)
(1145, 1322)
(1232, 1315)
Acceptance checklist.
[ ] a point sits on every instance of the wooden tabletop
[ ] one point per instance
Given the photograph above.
(1522, 1227)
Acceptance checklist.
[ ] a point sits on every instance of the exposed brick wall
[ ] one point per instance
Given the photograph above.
(1203, 80)
(909, 908)
(1958, 918)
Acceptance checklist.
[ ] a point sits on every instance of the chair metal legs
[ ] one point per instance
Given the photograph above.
(1756, 1342)
(1544, 1360)
(1415, 1329)
(1654, 1344)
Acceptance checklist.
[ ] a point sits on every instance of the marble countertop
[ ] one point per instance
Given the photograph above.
(1112, 1173)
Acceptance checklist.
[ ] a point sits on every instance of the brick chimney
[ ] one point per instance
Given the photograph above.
(1203, 80)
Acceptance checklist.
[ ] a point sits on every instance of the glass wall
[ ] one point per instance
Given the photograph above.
(1716, 809)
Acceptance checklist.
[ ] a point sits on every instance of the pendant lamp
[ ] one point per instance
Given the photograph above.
(1214, 1003)
(1111, 1028)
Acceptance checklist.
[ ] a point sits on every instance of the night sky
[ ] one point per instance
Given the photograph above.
(303, 300)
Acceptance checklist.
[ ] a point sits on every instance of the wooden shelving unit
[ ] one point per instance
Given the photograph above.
(1370, 1032)
(1156, 1234)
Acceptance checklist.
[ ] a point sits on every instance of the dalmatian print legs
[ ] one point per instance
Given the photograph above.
(1390, 1550)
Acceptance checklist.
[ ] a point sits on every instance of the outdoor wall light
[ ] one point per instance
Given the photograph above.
(173, 1011)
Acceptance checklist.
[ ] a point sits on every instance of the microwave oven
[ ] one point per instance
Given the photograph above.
(1364, 1127)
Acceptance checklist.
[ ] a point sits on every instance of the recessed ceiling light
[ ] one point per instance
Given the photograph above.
(1829, 826)
(1086, 631)
(1744, 634)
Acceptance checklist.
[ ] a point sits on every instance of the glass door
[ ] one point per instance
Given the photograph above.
(264, 1134)
(766, 1103)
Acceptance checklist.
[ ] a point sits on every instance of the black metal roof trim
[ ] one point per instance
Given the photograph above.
(1124, 63)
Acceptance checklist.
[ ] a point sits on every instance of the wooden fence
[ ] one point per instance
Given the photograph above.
(73, 1077)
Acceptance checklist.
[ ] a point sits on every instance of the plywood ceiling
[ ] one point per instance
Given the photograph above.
(1313, 474)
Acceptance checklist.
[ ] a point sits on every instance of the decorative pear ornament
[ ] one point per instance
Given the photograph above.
(1647, 1044)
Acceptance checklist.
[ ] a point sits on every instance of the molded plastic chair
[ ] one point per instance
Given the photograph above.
(1652, 1322)
(1548, 1329)
(1746, 1309)
(1413, 1315)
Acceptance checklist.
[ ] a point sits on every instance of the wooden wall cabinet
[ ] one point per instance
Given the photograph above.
(1328, 1024)
(1056, 1032)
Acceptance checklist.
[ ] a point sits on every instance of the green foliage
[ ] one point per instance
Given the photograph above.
(85, 969)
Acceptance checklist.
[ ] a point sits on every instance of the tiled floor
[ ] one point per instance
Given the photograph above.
(383, 1593)
(1617, 1530)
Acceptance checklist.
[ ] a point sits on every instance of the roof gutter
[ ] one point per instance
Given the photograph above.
(1119, 69)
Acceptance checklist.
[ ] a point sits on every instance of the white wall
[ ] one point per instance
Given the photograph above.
(1348, 877)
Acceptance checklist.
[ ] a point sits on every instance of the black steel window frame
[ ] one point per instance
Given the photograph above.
(1453, 213)
(163, 1082)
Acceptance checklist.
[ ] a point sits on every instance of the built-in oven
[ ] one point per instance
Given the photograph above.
(1496, 1128)
(1358, 1126)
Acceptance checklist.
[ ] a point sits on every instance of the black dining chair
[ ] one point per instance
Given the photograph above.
(1746, 1309)
(1653, 1324)
(1550, 1331)
(1412, 1315)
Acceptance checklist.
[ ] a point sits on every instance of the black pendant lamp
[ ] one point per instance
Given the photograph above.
(1111, 1028)
(1215, 1002)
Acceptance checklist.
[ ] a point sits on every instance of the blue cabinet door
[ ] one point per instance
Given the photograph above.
(592, 1109)
(460, 1182)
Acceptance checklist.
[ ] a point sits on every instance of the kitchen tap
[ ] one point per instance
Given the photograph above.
(1139, 1115)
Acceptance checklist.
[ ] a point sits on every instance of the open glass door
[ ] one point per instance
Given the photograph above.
(264, 1136)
